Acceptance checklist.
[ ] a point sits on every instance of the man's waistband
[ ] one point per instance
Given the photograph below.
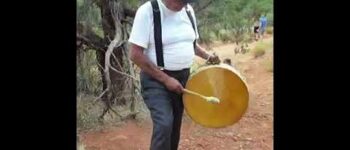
(176, 71)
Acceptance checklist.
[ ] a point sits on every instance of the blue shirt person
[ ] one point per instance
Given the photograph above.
(263, 24)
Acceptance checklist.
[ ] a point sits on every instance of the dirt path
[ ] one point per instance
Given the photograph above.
(253, 132)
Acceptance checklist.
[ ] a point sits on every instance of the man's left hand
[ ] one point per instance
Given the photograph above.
(213, 59)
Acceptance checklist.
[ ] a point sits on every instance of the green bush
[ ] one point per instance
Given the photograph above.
(224, 35)
(207, 36)
(212, 36)
(260, 49)
(247, 38)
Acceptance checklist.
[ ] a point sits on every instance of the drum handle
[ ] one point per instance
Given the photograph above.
(208, 99)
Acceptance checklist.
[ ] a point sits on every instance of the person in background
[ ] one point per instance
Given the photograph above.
(256, 30)
(263, 25)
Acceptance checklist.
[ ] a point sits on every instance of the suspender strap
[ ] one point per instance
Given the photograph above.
(193, 26)
(158, 34)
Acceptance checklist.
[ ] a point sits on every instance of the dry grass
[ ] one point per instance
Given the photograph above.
(81, 146)
(87, 112)
(268, 64)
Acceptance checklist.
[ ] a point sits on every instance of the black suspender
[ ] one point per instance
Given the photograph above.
(193, 26)
(158, 32)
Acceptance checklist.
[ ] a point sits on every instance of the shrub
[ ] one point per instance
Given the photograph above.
(259, 49)
(269, 30)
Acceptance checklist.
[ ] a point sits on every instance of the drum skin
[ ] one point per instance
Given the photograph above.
(221, 81)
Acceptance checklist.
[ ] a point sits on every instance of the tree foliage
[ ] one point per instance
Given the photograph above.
(235, 17)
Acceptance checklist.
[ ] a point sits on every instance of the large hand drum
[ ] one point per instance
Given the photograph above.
(221, 81)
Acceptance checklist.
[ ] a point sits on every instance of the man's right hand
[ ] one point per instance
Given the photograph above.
(139, 58)
(173, 85)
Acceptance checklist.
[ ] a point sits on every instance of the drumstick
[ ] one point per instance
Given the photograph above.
(209, 99)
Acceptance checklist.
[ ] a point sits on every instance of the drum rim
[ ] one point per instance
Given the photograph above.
(236, 72)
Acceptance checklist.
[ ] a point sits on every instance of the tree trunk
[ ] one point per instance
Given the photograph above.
(113, 14)
(120, 87)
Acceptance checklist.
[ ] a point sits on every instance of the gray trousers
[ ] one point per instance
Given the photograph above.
(166, 109)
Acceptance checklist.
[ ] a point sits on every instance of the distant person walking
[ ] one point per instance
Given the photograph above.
(263, 25)
(256, 30)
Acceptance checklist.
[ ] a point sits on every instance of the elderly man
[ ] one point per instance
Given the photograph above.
(164, 51)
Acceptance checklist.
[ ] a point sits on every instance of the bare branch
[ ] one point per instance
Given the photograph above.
(99, 97)
(123, 73)
(99, 65)
(117, 41)
(118, 63)
(114, 111)
(114, 43)
(127, 21)
(85, 35)
(90, 43)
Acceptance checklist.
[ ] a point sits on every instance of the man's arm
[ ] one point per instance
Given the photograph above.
(199, 51)
(140, 59)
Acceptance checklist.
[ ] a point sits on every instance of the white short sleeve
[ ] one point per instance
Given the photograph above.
(140, 32)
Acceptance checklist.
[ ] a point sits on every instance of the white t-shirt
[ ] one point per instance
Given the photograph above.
(177, 34)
